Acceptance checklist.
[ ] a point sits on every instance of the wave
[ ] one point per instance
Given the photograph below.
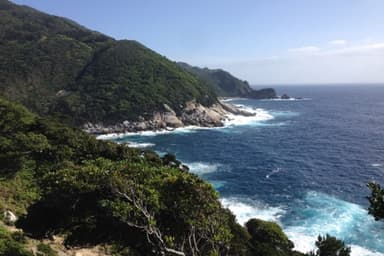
(229, 99)
(376, 165)
(361, 251)
(245, 209)
(306, 243)
(201, 168)
(323, 214)
(139, 145)
(261, 115)
(317, 214)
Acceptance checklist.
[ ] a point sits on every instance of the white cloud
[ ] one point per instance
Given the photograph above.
(305, 49)
(338, 42)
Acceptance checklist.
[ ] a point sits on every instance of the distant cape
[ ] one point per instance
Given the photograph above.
(227, 85)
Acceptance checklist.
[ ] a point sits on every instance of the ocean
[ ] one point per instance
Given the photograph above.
(301, 163)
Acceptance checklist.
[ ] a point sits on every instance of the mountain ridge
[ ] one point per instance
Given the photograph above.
(227, 85)
(55, 66)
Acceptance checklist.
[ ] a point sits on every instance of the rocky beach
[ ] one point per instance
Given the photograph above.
(193, 114)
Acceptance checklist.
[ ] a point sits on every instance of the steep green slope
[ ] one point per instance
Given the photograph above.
(223, 82)
(54, 66)
(62, 181)
(226, 85)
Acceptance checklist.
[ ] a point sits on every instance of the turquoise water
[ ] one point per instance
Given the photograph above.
(301, 163)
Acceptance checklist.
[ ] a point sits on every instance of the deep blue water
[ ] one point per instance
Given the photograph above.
(306, 167)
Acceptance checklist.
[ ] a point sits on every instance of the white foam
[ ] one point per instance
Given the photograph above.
(376, 165)
(323, 214)
(361, 251)
(110, 136)
(231, 120)
(139, 145)
(229, 99)
(306, 243)
(202, 168)
(260, 116)
(303, 243)
(186, 129)
(247, 209)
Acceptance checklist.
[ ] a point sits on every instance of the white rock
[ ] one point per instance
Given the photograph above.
(10, 216)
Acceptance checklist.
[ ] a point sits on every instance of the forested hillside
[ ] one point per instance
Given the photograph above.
(226, 85)
(56, 67)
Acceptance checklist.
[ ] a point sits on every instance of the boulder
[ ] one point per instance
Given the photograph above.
(172, 120)
(10, 217)
(285, 97)
(140, 126)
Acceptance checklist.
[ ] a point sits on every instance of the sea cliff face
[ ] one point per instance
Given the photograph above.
(193, 113)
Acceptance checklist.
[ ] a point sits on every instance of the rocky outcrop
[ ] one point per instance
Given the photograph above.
(285, 97)
(192, 114)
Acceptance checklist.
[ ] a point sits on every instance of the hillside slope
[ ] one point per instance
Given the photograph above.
(54, 66)
(224, 84)
(227, 85)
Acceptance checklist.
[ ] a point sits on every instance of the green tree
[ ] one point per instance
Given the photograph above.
(330, 246)
(376, 200)
(268, 238)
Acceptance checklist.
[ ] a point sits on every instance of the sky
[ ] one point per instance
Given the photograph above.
(261, 41)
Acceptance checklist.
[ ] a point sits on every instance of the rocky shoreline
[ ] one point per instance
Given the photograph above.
(193, 114)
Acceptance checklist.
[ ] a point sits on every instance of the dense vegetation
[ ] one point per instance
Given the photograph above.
(56, 67)
(226, 85)
(94, 192)
(12, 244)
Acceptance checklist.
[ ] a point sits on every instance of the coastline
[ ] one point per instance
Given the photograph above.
(193, 116)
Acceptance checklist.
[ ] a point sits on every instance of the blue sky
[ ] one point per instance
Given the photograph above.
(262, 41)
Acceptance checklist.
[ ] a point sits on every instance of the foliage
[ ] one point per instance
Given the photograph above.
(18, 192)
(376, 200)
(222, 82)
(45, 250)
(330, 246)
(226, 85)
(56, 67)
(9, 246)
(129, 203)
(31, 141)
(267, 238)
